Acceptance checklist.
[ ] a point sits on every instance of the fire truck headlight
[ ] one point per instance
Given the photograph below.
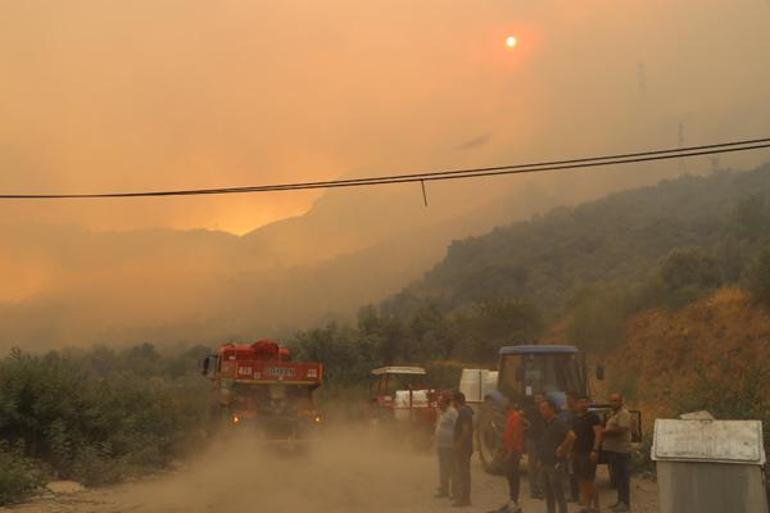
(236, 419)
(317, 419)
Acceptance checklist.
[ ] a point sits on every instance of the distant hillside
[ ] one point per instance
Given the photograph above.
(64, 284)
(616, 241)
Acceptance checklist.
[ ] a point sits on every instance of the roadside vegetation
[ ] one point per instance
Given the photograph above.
(95, 416)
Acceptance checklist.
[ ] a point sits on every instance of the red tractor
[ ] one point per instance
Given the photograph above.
(403, 404)
(257, 386)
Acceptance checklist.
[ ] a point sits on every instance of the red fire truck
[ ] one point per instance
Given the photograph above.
(257, 386)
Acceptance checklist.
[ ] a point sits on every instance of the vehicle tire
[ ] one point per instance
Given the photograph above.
(489, 438)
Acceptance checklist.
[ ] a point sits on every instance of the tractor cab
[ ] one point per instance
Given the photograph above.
(392, 384)
(526, 371)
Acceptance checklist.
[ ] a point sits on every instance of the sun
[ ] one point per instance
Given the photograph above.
(511, 42)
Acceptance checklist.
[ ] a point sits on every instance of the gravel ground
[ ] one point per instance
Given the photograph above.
(346, 473)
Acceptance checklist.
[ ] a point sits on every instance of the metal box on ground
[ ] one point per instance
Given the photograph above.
(710, 466)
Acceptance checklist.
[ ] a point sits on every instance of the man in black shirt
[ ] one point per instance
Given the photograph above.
(463, 450)
(587, 430)
(569, 414)
(555, 441)
(535, 425)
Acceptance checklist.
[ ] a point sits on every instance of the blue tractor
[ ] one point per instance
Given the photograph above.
(525, 372)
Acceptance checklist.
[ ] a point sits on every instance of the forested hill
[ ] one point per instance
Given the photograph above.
(574, 275)
(715, 223)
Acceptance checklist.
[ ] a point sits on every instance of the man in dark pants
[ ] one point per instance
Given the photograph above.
(616, 445)
(569, 414)
(587, 428)
(444, 435)
(463, 439)
(555, 445)
(513, 444)
(535, 424)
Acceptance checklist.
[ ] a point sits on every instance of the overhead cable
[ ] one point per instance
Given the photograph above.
(454, 174)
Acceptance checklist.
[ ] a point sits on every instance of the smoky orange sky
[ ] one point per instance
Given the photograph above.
(149, 94)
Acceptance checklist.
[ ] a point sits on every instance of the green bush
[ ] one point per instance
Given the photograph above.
(687, 274)
(731, 390)
(98, 416)
(19, 475)
(758, 278)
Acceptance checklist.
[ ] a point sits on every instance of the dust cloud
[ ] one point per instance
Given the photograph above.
(345, 470)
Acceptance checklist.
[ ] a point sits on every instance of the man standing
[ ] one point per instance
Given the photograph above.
(463, 444)
(569, 415)
(534, 434)
(555, 444)
(513, 444)
(587, 429)
(445, 430)
(617, 446)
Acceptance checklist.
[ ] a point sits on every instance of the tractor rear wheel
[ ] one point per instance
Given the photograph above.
(489, 438)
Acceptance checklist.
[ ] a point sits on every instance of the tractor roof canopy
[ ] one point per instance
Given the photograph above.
(534, 349)
(419, 371)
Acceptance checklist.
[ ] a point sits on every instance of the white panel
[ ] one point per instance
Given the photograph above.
(725, 441)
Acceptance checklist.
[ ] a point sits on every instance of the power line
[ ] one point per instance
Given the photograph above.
(537, 167)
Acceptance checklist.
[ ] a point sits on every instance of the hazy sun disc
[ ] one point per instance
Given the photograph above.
(511, 42)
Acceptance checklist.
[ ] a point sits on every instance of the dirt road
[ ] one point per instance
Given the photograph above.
(347, 473)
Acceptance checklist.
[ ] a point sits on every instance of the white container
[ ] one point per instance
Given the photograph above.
(710, 466)
(477, 383)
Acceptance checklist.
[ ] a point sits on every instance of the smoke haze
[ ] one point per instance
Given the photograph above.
(106, 96)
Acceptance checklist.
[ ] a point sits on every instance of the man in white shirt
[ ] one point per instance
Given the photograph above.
(445, 428)
(616, 445)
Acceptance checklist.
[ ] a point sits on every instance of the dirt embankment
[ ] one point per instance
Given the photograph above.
(665, 353)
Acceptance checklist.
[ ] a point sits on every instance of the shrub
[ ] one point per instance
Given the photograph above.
(597, 320)
(19, 475)
(99, 423)
(687, 274)
(758, 278)
(731, 391)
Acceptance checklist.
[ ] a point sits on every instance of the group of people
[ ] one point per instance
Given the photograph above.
(563, 448)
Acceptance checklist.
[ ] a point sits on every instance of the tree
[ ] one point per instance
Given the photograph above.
(498, 322)
(751, 216)
(597, 319)
(687, 274)
(758, 279)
